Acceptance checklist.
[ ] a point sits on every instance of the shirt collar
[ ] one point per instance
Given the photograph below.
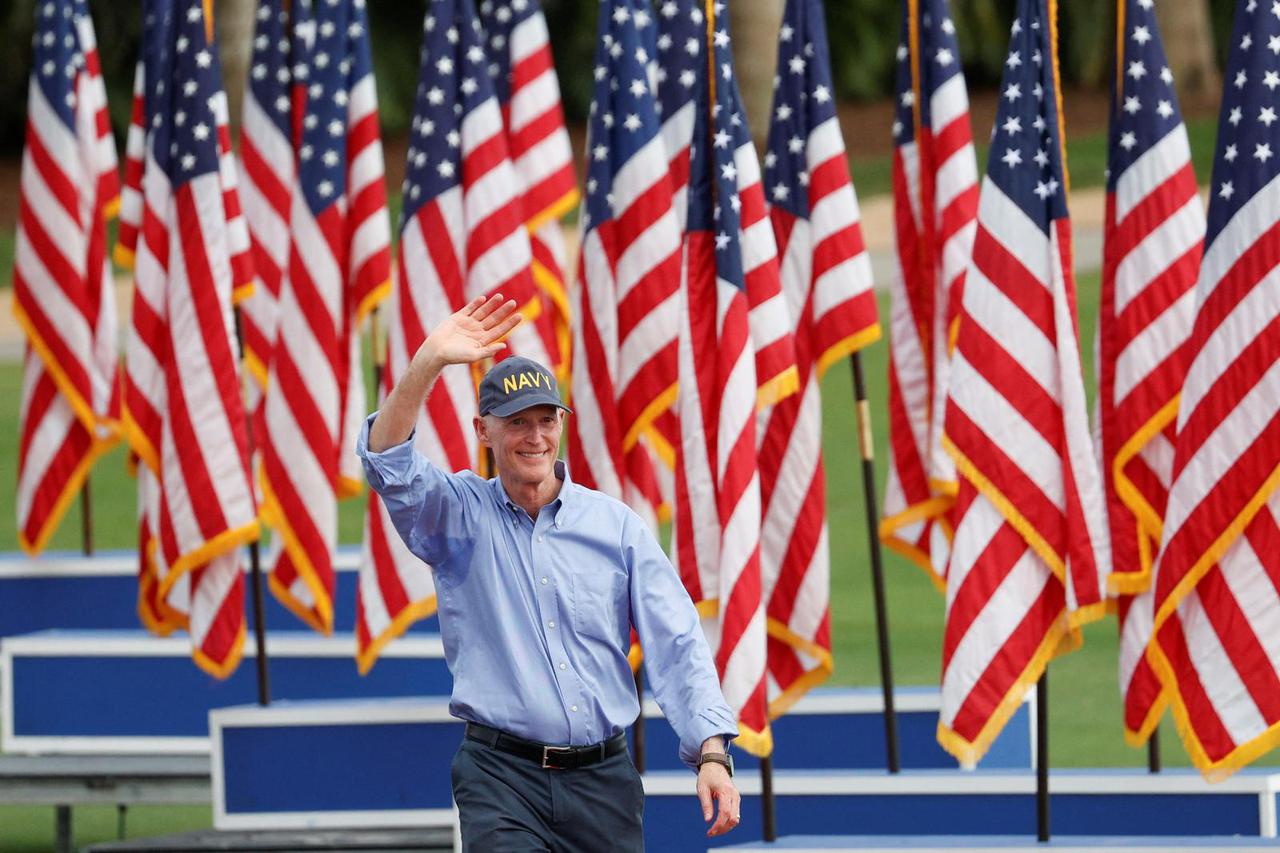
(556, 506)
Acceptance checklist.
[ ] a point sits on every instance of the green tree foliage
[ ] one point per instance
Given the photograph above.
(395, 34)
(572, 24)
(864, 36)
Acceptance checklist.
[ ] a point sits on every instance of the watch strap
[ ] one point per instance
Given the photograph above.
(720, 758)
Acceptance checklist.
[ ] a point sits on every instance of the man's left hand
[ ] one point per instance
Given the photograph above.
(714, 784)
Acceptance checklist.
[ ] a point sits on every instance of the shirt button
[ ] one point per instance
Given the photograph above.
(544, 581)
(564, 666)
(574, 708)
(539, 538)
(551, 624)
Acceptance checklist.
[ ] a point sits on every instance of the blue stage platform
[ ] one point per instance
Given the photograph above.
(975, 803)
(320, 758)
(1003, 843)
(298, 765)
(70, 591)
(127, 691)
(843, 729)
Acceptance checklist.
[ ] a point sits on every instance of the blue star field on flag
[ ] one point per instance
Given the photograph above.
(327, 61)
(623, 112)
(57, 55)
(681, 43)
(1026, 159)
(270, 77)
(498, 19)
(939, 62)
(714, 204)
(453, 81)
(181, 93)
(1248, 138)
(802, 101)
(1144, 105)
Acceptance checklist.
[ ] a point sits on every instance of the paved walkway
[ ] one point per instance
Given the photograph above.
(1087, 209)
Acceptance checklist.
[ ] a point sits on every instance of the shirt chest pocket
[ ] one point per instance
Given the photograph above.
(600, 604)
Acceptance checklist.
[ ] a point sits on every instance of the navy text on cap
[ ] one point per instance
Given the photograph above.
(515, 384)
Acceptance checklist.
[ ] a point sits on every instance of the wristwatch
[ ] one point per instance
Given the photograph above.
(721, 758)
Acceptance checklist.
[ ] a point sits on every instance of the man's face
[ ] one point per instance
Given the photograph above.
(524, 445)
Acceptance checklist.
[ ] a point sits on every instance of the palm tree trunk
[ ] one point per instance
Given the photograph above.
(1188, 41)
(234, 23)
(754, 26)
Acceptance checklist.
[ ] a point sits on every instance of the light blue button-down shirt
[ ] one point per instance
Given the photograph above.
(535, 614)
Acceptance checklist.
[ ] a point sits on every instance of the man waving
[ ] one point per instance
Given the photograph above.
(539, 581)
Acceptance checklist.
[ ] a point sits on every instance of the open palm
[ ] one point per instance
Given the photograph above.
(474, 333)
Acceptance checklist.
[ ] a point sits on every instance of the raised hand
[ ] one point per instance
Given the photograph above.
(472, 334)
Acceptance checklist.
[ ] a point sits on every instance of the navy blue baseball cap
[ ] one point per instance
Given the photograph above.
(515, 384)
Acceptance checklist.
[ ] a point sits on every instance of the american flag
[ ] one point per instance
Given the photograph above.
(674, 68)
(826, 279)
(524, 79)
(935, 191)
(268, 170)
(682, 64)
(338, 267)
(182, 408)
(627, 297)
(736, 354)
(63, 297)
(1029, 557)
(681, 68)
(1216, 607)
(462, 235)
(688, 57)
(131, 196)
(1153, 240)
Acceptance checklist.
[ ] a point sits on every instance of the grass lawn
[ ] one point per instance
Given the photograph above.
(1086, 159)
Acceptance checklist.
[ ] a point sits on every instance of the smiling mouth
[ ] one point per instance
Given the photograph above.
(527, 455)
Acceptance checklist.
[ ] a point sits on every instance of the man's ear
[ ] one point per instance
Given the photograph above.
(482, 431)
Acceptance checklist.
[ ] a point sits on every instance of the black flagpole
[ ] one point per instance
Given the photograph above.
(86, 519)
(259, 626)
(1153, 751)
(379, 353)
(863, 409)
(255, 571)
(767, 805)
(1042, 756)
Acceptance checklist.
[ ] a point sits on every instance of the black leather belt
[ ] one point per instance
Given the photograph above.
(550, 757)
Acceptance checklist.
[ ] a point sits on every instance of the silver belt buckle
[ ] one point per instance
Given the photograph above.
(546, 754)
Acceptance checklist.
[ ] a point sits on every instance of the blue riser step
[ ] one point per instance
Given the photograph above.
(330, 764)
(323, 757)
(843, 729)
(975, 803)
(126, 691)
(1002, 843)
(55, 591)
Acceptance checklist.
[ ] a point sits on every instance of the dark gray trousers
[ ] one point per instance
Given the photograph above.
(509, 804)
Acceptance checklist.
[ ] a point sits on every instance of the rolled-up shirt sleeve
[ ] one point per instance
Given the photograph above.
(430, 509)
(677, 659)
